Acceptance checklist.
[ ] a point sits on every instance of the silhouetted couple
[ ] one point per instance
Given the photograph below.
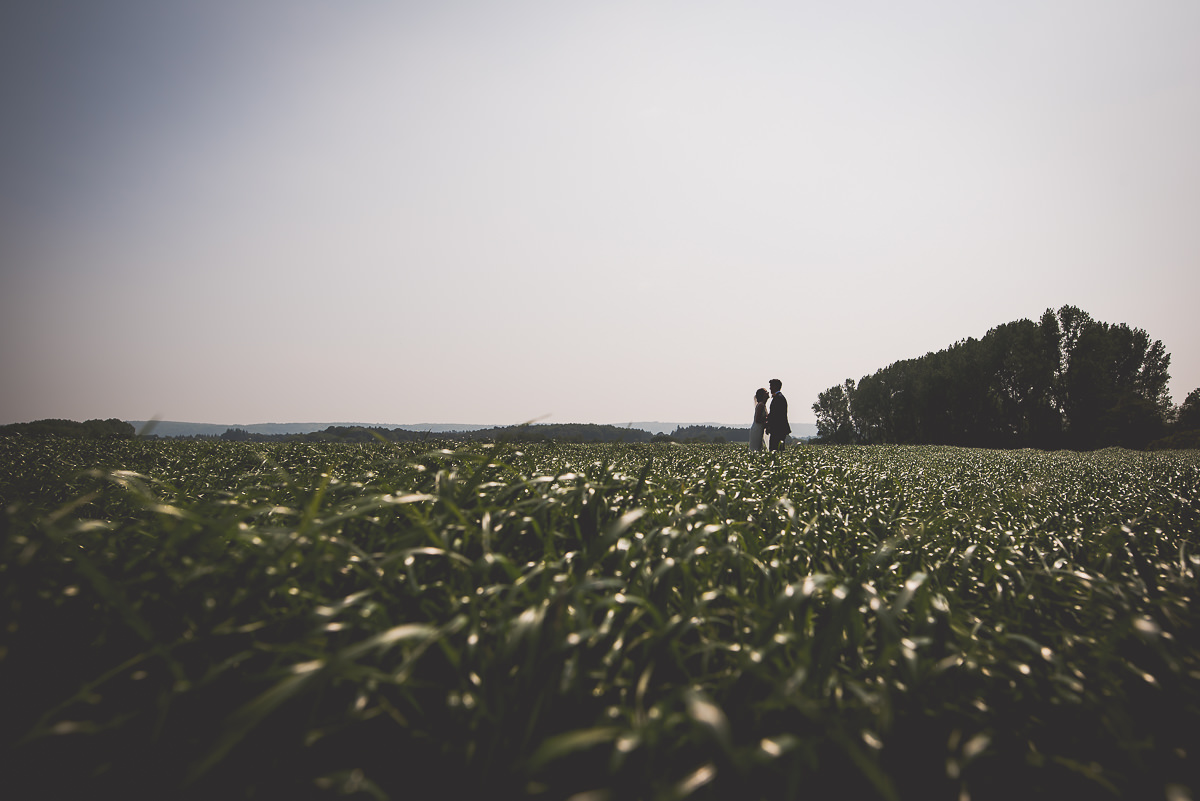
(771, 421)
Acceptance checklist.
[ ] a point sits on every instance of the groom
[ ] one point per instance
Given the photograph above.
(777, 422)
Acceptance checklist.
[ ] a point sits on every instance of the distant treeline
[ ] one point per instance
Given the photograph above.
(559, 432)
(89, 429)
(1066, 381)
(710, 434)
(552, 432)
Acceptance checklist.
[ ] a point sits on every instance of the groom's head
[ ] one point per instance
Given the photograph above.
(775, 384)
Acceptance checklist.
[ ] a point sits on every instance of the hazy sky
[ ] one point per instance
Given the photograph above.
(488, 212)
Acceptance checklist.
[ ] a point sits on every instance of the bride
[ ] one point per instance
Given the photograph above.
(760, 419)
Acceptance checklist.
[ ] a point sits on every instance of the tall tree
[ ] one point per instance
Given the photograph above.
(1113, 379)
(1187, 416)
(832, 409)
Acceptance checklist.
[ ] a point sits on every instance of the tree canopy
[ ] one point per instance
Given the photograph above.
(1066, 380)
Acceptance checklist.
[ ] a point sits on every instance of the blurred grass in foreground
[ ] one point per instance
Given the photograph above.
(224, 620)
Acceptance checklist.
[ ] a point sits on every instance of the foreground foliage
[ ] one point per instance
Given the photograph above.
(211, 619)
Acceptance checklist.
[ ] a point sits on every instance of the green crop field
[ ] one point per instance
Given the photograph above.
(217, 620)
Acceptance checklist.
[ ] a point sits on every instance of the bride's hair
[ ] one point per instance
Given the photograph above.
(761, 395)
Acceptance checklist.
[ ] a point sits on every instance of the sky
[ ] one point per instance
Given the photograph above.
(245, 211)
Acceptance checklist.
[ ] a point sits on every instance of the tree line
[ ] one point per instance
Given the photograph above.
(548, 432)
(709, 434)
(111, 428)
(1065, 381)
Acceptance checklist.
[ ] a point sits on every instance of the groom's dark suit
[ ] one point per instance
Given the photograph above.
(777, 421)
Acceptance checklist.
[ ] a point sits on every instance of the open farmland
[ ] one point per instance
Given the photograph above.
(225, 620)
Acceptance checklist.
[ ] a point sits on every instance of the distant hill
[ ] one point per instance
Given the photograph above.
(174, 428)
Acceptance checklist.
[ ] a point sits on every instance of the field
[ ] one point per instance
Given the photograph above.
(226, 620)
